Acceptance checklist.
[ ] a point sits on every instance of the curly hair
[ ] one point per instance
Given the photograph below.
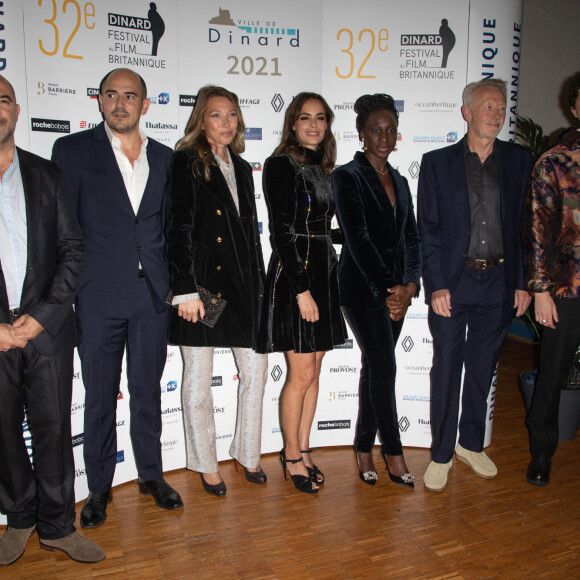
(195, 139)
(289, 144)
(573, 89)
(368, 104)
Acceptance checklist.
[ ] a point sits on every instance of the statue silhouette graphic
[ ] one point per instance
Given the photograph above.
(157, 26)
(447, 40)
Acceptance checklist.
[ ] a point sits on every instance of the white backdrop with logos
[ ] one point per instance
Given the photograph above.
(55, 52)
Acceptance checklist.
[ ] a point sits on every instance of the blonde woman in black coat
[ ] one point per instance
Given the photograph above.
(213, 243)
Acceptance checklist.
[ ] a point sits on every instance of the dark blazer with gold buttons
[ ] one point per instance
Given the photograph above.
(213, 246)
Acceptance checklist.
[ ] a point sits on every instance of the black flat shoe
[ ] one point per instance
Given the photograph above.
(163, 494)
(219, 489)
(301, 482)
(94, 512)
(314, 473)
(253, 476)
(406, 480)
(539, 471)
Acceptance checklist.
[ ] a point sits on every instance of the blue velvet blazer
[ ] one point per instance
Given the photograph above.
(381, 247)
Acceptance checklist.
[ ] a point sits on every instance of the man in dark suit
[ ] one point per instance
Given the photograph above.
(469, 205)
(116, 177)
(41, 254)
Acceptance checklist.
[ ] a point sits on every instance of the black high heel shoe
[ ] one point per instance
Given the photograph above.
(406, 480)
(369, 477)
(253, 476)
(301, 482)
(315, 475)
(219, 489)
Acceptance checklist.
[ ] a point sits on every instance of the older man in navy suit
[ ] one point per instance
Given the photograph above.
(41, 258)
(469, 205)
(117, 177)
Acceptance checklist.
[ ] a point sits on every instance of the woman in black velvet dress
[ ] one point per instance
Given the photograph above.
(301, 311)
(379, 273)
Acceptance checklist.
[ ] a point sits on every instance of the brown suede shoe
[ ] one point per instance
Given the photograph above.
(76, 547)
(13, 543)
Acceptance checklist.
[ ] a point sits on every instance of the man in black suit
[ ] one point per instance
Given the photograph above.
(116, 177)
(469, 205)
(41, 255)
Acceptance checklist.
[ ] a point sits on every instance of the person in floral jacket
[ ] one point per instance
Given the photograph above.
(551, 231)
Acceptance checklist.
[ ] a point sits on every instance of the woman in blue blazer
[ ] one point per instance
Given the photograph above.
(379, 273)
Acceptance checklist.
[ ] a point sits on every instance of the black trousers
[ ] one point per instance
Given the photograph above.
(470, 340)
(377, 336)
(557, 353)
(45, 496)
(103, 340)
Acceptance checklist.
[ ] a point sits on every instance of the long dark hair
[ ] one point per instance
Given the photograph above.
(195, 138)
(289, 144)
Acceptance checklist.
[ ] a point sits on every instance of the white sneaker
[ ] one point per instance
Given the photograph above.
(481, 464)
(435, 477)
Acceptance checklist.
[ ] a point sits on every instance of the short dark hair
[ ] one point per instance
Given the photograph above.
(143, 85)
(573, 90)
(368, 104)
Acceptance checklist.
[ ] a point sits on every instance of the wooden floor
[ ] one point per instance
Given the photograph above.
(475, 529)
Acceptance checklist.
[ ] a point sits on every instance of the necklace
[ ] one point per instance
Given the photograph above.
(381, 172)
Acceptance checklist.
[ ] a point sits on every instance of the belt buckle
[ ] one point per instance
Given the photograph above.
(481, 264)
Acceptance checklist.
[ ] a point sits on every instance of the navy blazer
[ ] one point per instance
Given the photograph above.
(116, 239)
(381, 249)
(444, 215)
(54, 256)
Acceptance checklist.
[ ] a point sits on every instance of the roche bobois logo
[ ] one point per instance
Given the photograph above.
(250, 31)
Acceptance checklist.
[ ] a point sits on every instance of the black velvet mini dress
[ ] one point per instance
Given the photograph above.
(300, 208)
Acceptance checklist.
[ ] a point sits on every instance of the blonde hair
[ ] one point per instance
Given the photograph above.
(195, 139)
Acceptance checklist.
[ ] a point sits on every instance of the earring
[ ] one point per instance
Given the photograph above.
(395, 148)
(364, 148)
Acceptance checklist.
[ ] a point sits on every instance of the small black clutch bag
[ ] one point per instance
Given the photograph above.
(212, 304)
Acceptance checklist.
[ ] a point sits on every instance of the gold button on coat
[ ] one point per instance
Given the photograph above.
(219, 240)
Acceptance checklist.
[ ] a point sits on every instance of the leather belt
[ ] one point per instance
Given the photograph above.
(482, 264)
(141, 273)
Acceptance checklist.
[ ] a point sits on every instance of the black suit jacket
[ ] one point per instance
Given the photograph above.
(211, 245)
(444, 215)
(55, 256)
(381, 249)
(116, 239)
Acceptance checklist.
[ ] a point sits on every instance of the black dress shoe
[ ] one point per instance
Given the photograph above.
(218, 489)
(165, 496)
(539, 471)
(94, 512)
(253, 476)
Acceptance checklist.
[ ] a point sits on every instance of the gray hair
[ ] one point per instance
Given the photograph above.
(472, 88)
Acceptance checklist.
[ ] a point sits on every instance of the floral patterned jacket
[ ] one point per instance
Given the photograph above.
(551, 220)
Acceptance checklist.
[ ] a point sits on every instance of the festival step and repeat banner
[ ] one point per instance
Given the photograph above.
(55, 53)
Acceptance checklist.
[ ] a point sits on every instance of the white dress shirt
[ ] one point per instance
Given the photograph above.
(134, 176)
(13, 232)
